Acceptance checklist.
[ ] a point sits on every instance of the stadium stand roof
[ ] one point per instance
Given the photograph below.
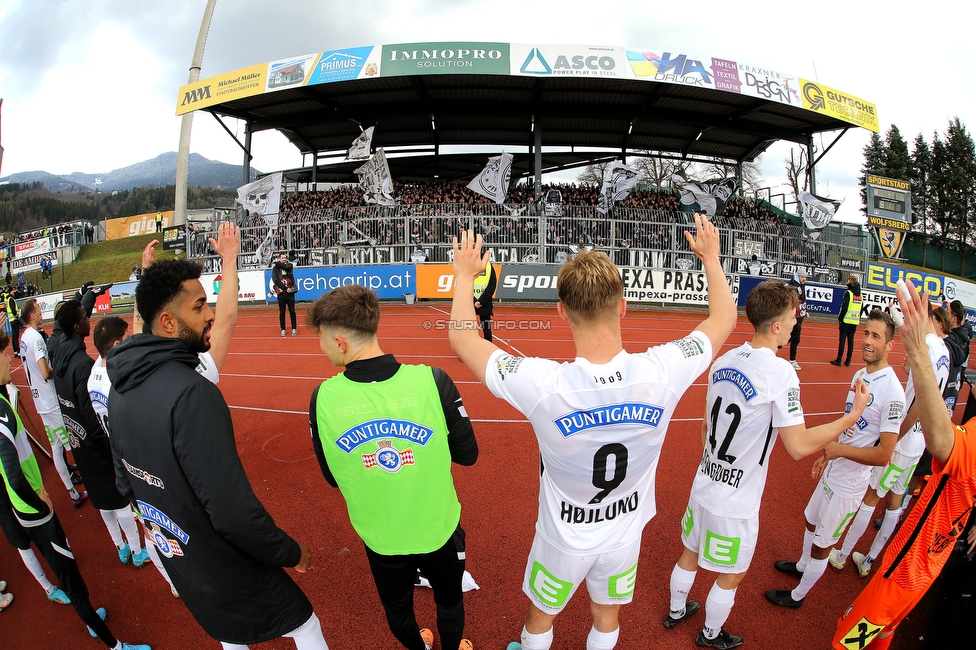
(579, 116)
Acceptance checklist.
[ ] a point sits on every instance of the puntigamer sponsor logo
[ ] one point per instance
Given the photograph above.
(445, 58)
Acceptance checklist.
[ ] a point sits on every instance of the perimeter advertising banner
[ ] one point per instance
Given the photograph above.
(437, 280)
(528, 282)
(250, 286)
(884, 277)
(964, 292)
(387, 281)
(174, 239)
(139, 224)
(821, 298)
(445, 58)
(33, 263)
(669, 286)
(33, 247)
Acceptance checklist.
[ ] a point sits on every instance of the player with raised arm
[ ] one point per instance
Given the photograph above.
(845, 466)
(600, 423)
(891, 481)
(40, 378)
(753, 396)
(923, 544)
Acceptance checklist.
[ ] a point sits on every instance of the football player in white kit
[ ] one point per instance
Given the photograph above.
(227, 245)
(40, 377)
(600, 422)
(893, 479)
(845, 467)
(753, 395)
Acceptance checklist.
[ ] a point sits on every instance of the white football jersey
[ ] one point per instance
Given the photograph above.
(913, 442)
(600, 429)
(99, 384)
(751, 394)
(884, 413)
(33, 349)
(98, 387)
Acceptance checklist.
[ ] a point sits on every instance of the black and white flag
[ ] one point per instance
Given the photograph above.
(618, 181)
(709, 196)
(262, 197)
(360, 146)
(817, 212)
(494, 178)
(375, 179)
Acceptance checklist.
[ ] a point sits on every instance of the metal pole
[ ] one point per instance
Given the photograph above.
(247, 154)
(811, 167)
(538, 163)
(183, 156)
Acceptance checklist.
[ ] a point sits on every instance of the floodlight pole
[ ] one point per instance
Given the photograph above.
(811, 166)
(183, 156)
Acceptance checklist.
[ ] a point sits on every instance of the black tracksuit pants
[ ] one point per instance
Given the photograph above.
(395, 576)
(286, 299)
(51, 541)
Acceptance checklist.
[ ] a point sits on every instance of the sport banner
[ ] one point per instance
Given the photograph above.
(870, 300)
(392, 281)
(821, 298)
(221, 88)
(960, 290)
(437, 280)
(669, 286)
(824, 99)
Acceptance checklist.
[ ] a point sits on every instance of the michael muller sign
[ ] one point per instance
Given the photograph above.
(445, 58)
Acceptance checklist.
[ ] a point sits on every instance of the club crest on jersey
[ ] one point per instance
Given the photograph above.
(602, 416)
(388, 457)
(385, 428)
(143, 475)
(737, 379)
(156, 515)
(166, 546)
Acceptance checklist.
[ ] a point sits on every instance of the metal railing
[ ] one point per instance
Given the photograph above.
(632, 237)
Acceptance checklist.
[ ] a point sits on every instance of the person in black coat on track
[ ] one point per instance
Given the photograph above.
(283, 278)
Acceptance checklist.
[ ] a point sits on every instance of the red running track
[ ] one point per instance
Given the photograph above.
(267, 382)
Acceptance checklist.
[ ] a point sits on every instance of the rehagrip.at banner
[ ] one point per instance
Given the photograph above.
(390, 281)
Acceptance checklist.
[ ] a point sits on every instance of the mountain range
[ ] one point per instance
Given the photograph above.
(160, 171)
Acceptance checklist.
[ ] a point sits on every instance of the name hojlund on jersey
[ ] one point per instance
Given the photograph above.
(576, 515)
(719, 472)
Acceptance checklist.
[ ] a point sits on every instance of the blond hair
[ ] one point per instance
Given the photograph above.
(589, 287)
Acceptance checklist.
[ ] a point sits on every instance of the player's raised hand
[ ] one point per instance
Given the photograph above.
(468, 260)
(149, 253)
(228, 241)
(305, 563)
(914, 309)
(705, 243)
(861, 397)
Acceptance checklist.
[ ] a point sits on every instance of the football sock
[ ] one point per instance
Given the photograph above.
(112, 524)
(811, 574)
(807, 547)
(681, 582)
(73, 492)
(887, 528)
(860, 524)
(597, 640)
(536, 641)
(154, 558)
(30, 561)
(718, 606)
(127, 520)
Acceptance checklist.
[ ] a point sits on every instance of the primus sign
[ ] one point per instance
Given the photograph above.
(445, 58)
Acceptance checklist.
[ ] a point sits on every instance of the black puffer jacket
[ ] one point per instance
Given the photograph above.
(219, 545)
(89, 444)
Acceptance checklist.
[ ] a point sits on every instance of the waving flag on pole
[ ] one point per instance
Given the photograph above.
(494, 178)
(618, 181)
(360, 146)
(709, 196)
(817, 212)
(375, 179)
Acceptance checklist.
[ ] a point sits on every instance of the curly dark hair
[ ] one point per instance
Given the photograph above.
(161, 283)
(68, 315)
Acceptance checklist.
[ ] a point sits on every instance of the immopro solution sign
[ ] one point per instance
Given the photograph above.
(445, 58)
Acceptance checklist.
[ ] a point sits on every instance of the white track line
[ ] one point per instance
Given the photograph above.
(506, 342)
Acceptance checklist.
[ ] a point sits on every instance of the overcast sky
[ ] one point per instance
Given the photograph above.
(91, 86)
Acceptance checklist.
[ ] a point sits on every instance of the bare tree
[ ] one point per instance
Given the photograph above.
(593, 174)
(656, 170)
(796, 173)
